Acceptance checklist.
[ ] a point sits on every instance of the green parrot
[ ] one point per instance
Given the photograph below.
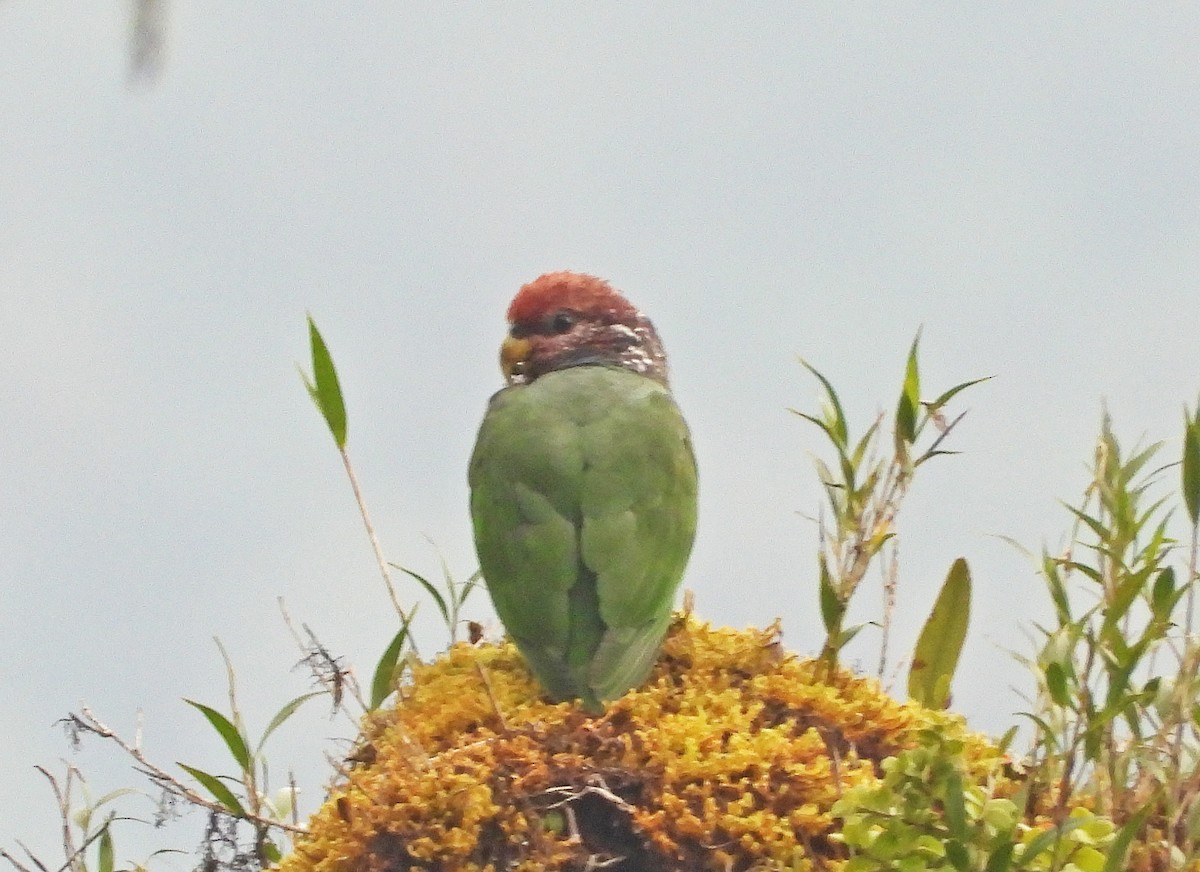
(583, 489)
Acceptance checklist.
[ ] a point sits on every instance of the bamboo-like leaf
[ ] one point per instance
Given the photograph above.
(1119, 848)
(283, 714)
(1163, 598)
(324, 388)
(219, 791)
(1001, 859)
(234, 740)
(832, 607)
(1102, 532)
(430, 589)
(385, 670)
(948, 395)
(104, 852)
(1191, 465)
(940, 643)
(955, 808)
(910, 399)
(1058, 591)
(838, 431)
(1056, 683)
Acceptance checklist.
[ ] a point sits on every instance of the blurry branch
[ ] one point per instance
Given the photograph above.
(87, 722)
(147, 41)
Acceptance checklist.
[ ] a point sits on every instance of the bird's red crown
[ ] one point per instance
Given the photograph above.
(568, 290)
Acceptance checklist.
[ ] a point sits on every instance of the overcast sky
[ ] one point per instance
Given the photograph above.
(764, 180)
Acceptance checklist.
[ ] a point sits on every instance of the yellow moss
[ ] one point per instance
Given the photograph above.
(730, 757)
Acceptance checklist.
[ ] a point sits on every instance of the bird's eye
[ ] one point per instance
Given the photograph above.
(562, 322)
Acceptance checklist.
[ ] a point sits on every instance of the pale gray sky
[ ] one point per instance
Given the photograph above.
(764, 180)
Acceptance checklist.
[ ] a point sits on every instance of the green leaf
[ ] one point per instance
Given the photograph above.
(104, 852)
(271, 852)
(1163, 598)
(1001, 859)
(220, 792)
(837, 429)
(832, 608)
(955, 807)
(1056, 683)
(1058, 591)
(948, 395)
(283, 714)
(324, 388)
(1191, 465)
(385, 670)
(1125, 836)
(430, 589)
(234, 740)
(910, 398)
(940, 643)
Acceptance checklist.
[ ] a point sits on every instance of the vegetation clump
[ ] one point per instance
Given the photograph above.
(732, 756)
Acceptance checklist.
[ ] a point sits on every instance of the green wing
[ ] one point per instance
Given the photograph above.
(583, 497)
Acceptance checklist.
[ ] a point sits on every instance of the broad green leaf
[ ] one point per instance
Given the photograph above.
(1191, 465)
(324, 388)
(910, 398)
(283, 714)
(234, 740)
(940, 643)
(219, 791)
(385, 670)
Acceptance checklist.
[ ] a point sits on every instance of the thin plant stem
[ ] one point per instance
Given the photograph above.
(379, 558)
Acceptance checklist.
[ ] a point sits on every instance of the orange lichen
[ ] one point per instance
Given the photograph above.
(730, 757)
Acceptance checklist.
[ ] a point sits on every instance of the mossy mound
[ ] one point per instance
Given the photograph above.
(729, 758)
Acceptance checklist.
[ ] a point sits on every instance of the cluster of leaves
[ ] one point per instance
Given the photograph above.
(865, 489)
(925, 814)
(1117, 712)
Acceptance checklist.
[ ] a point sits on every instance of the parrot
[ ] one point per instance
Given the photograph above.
(583, 489)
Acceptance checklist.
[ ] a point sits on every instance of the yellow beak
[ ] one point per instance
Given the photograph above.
(513, 354)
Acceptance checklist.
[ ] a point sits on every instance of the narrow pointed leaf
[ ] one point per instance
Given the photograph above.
(382, 682)
(1120, 846)
(832, 608)
(430, 589)
(948, 395)
(219, 791)
(940, 643)
(910, 398)
(1191, 466)
(1163, 599)
(233, 738)
(284, 713)
(324, 388)
(1056, 683)
(839, 429)
(104, 852)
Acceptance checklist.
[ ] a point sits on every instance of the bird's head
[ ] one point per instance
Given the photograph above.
(564, 319)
